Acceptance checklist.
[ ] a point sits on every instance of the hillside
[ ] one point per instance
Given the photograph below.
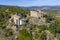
(44, 7)
(7, 11)
(52, 12)
(31, 30)
(13, 9)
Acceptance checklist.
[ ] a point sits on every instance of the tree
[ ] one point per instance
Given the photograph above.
(55, 27)
(5, 16)
(42, 28)
(8, 32)
(43, 36)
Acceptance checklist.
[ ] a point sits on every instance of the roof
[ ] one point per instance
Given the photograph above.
(16, 16)
(23, 19)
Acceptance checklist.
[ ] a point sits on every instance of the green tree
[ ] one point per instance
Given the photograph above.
(43, 36)
(8, 32)
(42, 28)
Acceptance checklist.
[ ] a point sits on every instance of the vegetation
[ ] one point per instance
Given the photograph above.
(42, 28)
(55, 26)
(52, 12)
(43, 36)
(24, 35)
(7, 11)
(8, 32)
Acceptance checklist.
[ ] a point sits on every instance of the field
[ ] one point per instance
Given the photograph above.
(52, 12)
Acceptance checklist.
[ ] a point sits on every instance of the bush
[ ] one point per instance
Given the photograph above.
(43, 36)
(8, 32)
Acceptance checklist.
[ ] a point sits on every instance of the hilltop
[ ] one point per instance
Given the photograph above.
(7, 11)
(38, 25)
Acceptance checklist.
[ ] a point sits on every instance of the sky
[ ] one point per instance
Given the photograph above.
(30, 2)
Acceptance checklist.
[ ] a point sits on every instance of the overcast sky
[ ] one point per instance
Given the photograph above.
(30, 2)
